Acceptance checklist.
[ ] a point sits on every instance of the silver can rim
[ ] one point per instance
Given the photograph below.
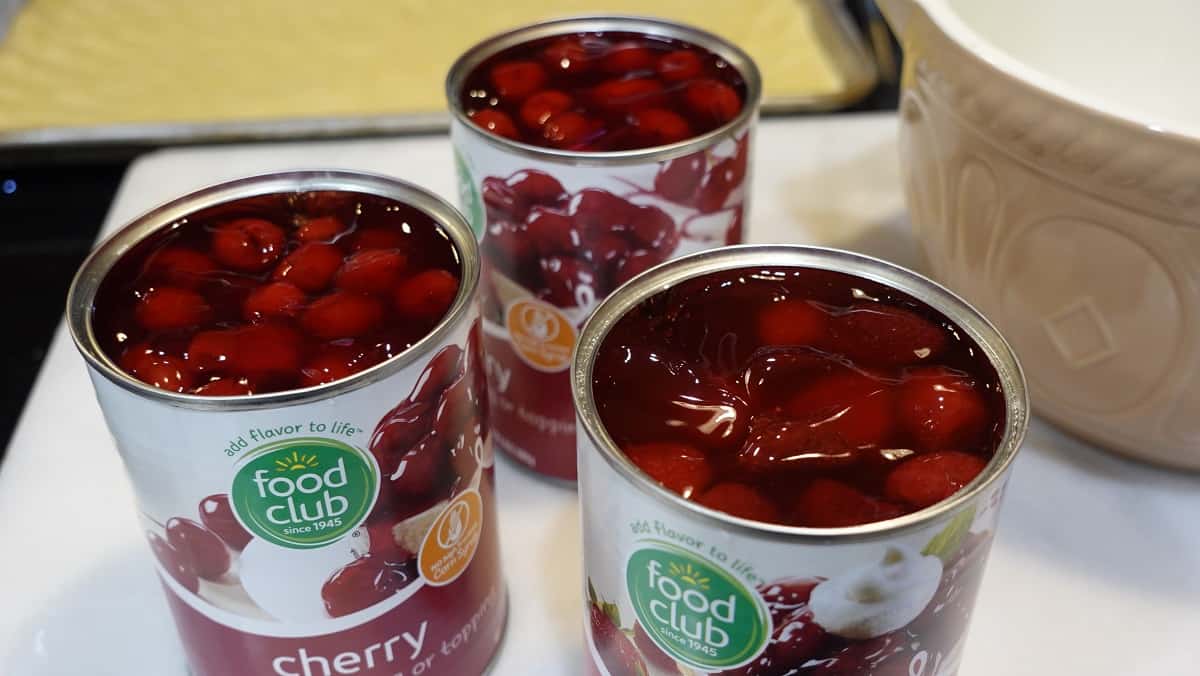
(488, 47)
(95, 268)
(671, 273)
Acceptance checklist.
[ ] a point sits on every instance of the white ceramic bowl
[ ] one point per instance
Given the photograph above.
(1051, 153)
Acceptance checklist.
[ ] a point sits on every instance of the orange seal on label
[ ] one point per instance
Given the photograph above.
(450, 544)
(541, 335)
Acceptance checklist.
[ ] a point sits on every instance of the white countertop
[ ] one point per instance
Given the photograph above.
(1096, 570)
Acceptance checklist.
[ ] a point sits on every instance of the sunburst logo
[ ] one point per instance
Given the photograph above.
(295, 462)
(695, 610)
(689, 574)
(304, 493)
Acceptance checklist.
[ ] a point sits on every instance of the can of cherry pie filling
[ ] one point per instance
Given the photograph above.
(588, 150)
(792, 461)
(290, 366)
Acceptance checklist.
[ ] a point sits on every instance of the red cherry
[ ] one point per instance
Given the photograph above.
(399, 431)
(160, 370)
(679, 179)
(881, 335)
(568, 55)
(616, 650)
(466, 451)
(376, 238)
(927, 479)
(167, 308)
(567, 129)
(679, 65)
(497, 122)
(712, 100)
(627, 57)
(217, 516)
(568, 282)
(268, 350)
(311, 267)
(420, 471)
(655, 657)
(597, 212)
(740, 500)
(382, 536)
(826, 503)
(776, 446)
(636, 263)
(426, 295)
(539, 107)
(537, 187)
(654, 228)
(372, 271)
(941, 409)
(212, 350)
(320, 229)
(225, 387)
(857, 408)
(176, 567)
(455, 408)
(797, 639)
(718, 185)
(199, 546)
(628, 95)
(887, 655)
(341, 314)
(678, 467)
(553, 232)
(733, 235)
(772, 373)
(441, 370)
(277, 300)
(179, 266)
(793, 322)
(605, 251)
(658, 126)
(515, 80)
(324, 202)
(330, 364)
(647, 394)
(248, 244)
(785, 596)
(509, 245)
(365, 582)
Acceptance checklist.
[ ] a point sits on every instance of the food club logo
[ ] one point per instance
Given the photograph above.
(696, 611)
(304, 493)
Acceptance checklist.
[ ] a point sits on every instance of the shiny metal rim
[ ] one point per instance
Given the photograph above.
(727, 51)
(96, 266)
(670, 274)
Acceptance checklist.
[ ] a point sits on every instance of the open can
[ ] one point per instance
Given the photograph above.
(538, 289)
(675, 587)
(279, 538)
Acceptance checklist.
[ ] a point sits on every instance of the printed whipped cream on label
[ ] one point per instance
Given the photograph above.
(877, 598)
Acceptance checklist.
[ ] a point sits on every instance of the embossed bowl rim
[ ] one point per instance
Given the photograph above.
(945, 17)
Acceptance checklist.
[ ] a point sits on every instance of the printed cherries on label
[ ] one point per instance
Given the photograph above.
(798, 396)
(598, 92)
(276, 292)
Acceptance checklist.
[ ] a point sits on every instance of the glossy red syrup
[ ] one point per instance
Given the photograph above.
(798, 396)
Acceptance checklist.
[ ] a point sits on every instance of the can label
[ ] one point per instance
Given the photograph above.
(556, 239)
(350, 535)
(670, 592)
